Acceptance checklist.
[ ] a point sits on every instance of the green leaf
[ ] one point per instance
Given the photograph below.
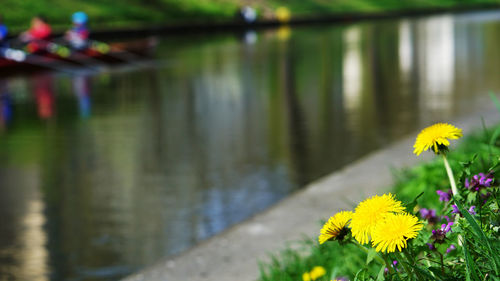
(426, 273)
(495, 100)
(495, 278)
(360, 275)
(380, 276)
(467, 164)
(494, 136)
(438, 274)
(335, 271)
(471, 271)
(412, 204)
(478, 232)
(370, 255)
(422, 238)
(471, 197)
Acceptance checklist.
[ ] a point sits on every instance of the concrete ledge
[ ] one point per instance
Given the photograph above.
(233, 255)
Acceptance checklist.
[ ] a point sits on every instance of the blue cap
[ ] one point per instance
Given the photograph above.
(79, 18)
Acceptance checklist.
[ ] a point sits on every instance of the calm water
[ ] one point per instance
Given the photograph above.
(103, 174)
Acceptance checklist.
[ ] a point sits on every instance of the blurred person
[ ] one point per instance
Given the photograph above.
(3, 33)
(78, 35)
(36, 37)
(248, 14)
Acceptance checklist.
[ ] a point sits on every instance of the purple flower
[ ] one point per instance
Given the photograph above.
(428, 214)
(439, 235)
(451, 248)
(446, 218)
(446, 227)
(479, 181)
(444, 196)
(472, 210)
(431, 246)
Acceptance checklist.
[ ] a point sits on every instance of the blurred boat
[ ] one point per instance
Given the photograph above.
(15, 62)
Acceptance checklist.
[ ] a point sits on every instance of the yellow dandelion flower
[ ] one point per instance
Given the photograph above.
(394, 231)
(335, 227)
(436, 136)
(316, 273)
(369, 212)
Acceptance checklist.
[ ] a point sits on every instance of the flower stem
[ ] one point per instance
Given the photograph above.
(454, 189)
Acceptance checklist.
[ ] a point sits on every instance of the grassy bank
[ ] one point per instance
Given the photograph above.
(483, 147)
(106, 13)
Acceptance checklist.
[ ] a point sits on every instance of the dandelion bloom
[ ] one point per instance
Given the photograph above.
(394, 231)
(335, 227)
(369, 212)
(436, 137)
(316, 273)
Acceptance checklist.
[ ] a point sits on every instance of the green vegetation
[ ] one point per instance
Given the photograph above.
(106, 13)
(475, 260)
(292, 262)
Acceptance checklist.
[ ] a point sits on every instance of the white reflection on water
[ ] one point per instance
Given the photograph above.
(353, 67)
(33, 255)
(25, 256)
(437, 63)
(405, 48)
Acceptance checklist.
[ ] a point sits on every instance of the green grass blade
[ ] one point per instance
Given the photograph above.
(478, 232)
(470, 267)
(495, 100)
(426, 274)
(380, 276)
(494, 136)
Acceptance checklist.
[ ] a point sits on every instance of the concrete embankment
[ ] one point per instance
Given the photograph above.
(234, 254)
